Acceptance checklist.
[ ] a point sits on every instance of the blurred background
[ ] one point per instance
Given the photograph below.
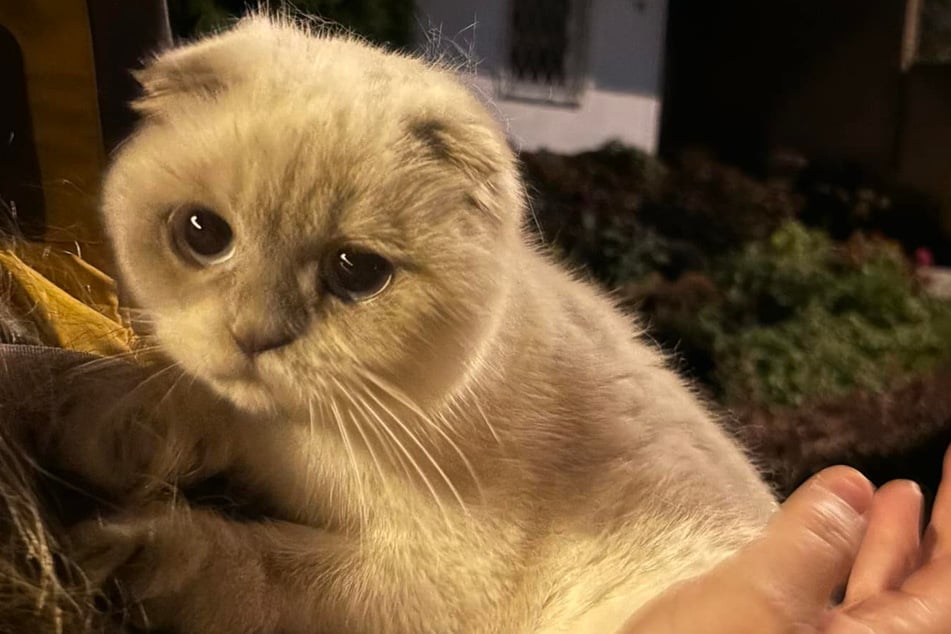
(768, 184)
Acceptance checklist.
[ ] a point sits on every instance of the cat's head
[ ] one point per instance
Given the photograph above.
(300, 212)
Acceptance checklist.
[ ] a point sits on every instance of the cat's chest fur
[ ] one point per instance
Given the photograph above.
(578, 469)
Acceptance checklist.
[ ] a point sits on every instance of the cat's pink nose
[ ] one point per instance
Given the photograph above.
(254, 342)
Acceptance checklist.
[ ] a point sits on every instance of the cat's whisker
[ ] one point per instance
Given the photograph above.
(409, 456)
(474, 402)
(358, 477)
(131, 393)
(362, 408)
(311, 460)
(366, 441)
(174, 385)
(153, 376)
(422, 447)
(109, 361)
(406, 401)
(369, 445)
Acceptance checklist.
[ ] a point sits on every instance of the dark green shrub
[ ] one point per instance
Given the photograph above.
(935, 38)
(803, 319)
(586, 207)
(798, 318)
(624, 214)
(842, 199)
(714, 206)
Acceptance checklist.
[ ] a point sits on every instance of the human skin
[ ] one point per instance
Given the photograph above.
(833, 529)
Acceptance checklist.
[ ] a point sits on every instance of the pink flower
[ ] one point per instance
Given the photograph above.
(923, 257)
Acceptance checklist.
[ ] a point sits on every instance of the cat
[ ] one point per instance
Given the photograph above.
(452, 432)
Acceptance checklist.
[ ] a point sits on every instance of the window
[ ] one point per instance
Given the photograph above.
(547, 42)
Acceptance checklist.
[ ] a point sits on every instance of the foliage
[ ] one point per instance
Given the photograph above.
(843, 198)
(801, 319)
(900, 430)
(623, 214)
(935, 43)
(585, 205)
(761, 308)
(388, 22)
(714, 206)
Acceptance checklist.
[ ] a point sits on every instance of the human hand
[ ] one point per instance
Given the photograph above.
(834, 528)
(900, 582)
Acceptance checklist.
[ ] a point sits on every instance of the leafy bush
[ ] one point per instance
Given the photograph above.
(714, 206)
(762, 309)
(586, 206)
(803, 319)
(899, 431)
(843, 199)
(935, 39)
(624, 214)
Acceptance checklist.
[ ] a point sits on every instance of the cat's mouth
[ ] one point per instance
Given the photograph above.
(243, 385)
(237, 373)
(249, 395)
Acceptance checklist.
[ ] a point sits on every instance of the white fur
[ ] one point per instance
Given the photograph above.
(487, 446)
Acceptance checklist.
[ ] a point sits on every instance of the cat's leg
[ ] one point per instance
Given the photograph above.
(126, 430)
(196, 572)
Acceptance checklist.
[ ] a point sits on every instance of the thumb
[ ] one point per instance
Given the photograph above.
(810, 544)
(786, 577)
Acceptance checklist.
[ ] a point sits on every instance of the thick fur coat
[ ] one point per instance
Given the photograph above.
(485, 445)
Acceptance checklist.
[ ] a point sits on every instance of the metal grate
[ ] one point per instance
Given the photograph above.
(546, 46)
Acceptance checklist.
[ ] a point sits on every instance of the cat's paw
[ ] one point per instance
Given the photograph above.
(187, 570)
(103, 437)
(154, 557)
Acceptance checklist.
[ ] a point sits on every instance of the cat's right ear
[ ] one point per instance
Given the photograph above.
(199, 71)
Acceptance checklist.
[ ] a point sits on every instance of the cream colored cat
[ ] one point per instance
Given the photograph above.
(454, 434)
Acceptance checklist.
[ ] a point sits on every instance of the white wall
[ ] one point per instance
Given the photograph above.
(625, 71)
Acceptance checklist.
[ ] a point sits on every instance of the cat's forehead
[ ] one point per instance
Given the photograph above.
(296, 153)
(288, 135)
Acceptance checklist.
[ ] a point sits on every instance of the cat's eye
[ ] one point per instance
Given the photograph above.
(355, 274)
(201, 235)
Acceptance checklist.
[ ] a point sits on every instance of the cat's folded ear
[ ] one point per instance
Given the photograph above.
(200, 71)
(208, 67)
(478, 150)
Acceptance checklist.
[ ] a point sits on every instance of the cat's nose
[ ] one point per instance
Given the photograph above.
(253, 342)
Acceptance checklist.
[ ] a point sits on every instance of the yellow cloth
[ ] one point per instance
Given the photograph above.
(72, 304)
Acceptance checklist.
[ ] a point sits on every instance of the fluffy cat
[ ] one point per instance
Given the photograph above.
(451, 432)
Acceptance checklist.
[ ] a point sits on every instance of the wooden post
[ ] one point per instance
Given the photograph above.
(57, 52)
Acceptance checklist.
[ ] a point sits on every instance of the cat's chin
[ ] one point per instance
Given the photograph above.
(246, 394)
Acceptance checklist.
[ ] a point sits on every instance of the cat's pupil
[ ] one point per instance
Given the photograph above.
(356, 274)
(207, 233)
(201, 235)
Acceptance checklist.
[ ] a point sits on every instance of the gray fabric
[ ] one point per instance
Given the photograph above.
(29, 375)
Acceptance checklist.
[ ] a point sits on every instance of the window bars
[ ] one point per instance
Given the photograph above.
(546, 51)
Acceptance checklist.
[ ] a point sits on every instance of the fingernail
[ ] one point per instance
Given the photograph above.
(922, 511)
(848, 485)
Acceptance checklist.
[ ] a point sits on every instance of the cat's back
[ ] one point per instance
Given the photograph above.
(643, 477)
(612, 392)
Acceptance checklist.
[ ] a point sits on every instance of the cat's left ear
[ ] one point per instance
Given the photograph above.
(479, 151)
